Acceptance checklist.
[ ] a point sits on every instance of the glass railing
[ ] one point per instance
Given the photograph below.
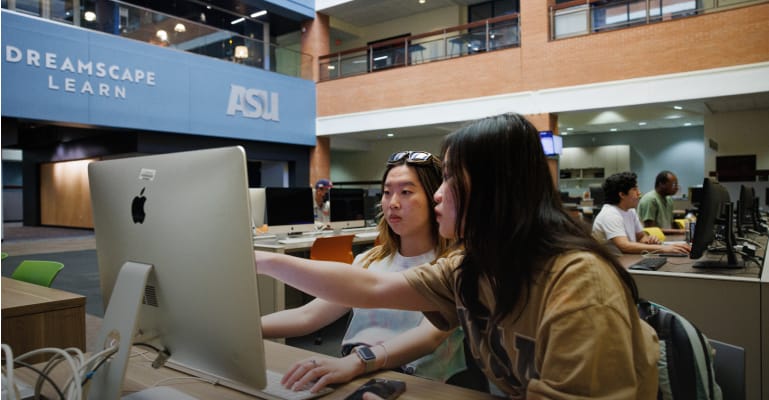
(582, 17)
(474, 38)
(138, 23)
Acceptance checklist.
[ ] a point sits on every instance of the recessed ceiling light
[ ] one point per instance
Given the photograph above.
(613, 129)
(678, 107)
(259, 14)
(642, 123)
(688, 124)
(569, 129)
(422, 1)
(390, 134)
(564, 133)
(89, 16)
(237, 21)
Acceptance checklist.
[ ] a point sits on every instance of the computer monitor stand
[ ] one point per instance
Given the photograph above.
(118, 327)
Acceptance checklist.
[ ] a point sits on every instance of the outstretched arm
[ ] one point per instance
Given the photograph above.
(406, 347)
(342, 284)
(302, 320)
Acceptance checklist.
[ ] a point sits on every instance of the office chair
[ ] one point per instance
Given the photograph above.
(333, 248)
(38, 272)
(729, 367)
(4, 254)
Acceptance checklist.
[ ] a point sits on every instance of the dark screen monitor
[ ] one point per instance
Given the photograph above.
(289, 210)
(746, 207)
(372, 204)
(736, 168)
(695, 196)
(596, 193)
(347, 208)
(714, 221)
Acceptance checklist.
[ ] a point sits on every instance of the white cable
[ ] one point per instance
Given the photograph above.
(9, 382)
(78, 390)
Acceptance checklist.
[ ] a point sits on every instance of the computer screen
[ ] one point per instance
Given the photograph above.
(596, 193)
(180, 224)
(347, 208)
(714, 222)
(695, 196)
(289, 210)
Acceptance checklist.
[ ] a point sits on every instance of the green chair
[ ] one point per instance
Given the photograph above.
(4, 254)
(38, 272)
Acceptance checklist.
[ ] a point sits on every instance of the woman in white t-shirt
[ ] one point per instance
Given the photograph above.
(408, 236)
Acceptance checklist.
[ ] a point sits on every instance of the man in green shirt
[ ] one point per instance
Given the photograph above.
(656, 206)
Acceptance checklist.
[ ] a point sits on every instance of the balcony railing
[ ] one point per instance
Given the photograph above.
(582, 17)
(474, 38)
(138, 23)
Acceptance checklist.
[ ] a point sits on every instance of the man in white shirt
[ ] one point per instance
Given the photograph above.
(321, 205)
(618, 226)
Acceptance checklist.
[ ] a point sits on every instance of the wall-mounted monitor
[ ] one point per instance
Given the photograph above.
(289, 210)
(347, 208)
(736, 168)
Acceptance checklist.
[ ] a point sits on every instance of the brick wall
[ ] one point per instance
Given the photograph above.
(714, 40)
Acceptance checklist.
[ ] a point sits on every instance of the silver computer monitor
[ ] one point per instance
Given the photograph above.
(347, 208)
(258, 202)
(186, 216)
(289, 210)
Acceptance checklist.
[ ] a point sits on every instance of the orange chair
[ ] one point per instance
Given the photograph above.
(334, 248)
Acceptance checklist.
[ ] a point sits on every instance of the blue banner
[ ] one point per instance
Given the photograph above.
(57, 72)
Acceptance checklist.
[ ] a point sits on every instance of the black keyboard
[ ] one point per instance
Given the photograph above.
(649, 263)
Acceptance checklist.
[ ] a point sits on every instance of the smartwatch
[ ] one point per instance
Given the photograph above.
(367, 357)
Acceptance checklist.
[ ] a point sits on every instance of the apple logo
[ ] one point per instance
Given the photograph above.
(137, 208)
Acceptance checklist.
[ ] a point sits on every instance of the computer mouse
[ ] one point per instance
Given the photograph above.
(642, 268)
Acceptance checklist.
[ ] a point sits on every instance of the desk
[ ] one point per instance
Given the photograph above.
(141, 375)
(725, 304)
(272, 293)
(36, 316)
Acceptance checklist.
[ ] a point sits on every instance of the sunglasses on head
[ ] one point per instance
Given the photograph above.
(412, 157)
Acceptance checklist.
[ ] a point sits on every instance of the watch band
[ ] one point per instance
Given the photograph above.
(367, 357)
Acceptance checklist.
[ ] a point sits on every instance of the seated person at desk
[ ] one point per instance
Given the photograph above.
(617, 224)
(656, 207)
(322, 205)
(409, 237)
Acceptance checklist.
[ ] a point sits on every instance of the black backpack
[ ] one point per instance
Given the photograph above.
(686, 358)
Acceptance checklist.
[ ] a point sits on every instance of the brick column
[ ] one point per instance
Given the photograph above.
(315, 42)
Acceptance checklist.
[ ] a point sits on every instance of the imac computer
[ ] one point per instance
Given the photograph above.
(714, 223)
(347, 208)
(289, 210)
(258, 201)
(168, 229)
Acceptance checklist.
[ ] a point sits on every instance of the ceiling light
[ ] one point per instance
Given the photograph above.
(613, 129)
(241, 52)
(422, 1)
(180, 28)
(678, 107)
(89, 16)
(259, 14)
(390, 134)
(569, 129)
(641, 123)
(380, 58)
(237, 21)
(331, 67)
(688, 124)
(162, 35)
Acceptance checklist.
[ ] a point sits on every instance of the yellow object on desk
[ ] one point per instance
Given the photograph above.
(654, 231)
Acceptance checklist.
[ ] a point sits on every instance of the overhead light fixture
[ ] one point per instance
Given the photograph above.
(180, 28)
(237, 21)
(422, 1)
(241, 52)
(331, 66)
(259, 14)
(688, 124)
(642, 123)
(569, 129)
(380, 58)
(390, 134)
(613, 129)
(162, 35)
(89, 16)
(678, 107)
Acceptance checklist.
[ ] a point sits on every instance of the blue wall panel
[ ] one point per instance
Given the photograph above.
(57, 72)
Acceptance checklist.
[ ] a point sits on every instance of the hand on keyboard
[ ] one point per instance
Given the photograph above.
(276, 389)
(319, 372)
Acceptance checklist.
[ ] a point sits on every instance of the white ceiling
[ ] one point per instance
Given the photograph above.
(655, 116)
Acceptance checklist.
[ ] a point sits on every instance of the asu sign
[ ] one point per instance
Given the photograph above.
(253, 103)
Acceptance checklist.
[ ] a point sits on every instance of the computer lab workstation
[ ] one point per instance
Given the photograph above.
(174, 239)
(723, 286)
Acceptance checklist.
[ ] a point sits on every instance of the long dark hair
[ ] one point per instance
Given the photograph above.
(514, 222)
